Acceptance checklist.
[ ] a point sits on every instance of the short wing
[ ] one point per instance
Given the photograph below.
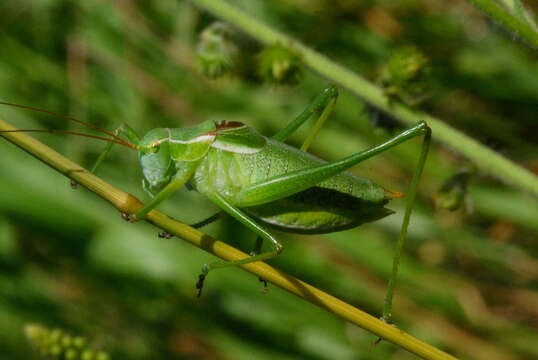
(238, 137)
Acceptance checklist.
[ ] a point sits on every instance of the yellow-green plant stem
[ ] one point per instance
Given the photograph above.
(127, 203)
(486, 159)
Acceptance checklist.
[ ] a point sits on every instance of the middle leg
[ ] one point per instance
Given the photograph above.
(324, 103)
(123, 129)
(252, 225)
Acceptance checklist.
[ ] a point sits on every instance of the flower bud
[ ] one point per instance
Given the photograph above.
(279, 65)
(452, 193)
(405, 76)
(216, 51)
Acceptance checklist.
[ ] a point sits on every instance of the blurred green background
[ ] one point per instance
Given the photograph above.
(468, 282)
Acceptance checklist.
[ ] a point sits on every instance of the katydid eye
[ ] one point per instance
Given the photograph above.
(154, 147)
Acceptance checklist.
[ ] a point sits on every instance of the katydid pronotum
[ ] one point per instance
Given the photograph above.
(264, 183)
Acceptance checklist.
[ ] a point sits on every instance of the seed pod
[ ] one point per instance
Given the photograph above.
(79, 342)
(40, 336)
(452, 193)
(55, 351)
(56, 344)
(279, 65)
(102, 356)
(87, 355)
(71, 354)
(216, 51)
(67, 341)
(405, 76)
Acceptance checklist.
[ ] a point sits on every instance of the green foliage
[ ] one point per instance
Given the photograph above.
(468, 281)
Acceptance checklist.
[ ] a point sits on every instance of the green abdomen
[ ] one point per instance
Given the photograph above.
(318, 210)
(341, 202)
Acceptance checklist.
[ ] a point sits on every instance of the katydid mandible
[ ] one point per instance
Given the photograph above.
(264, 183)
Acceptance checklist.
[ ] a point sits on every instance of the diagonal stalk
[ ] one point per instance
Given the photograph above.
(127, 203)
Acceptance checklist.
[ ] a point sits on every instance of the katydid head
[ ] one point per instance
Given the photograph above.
(163, 152)
(154, 157)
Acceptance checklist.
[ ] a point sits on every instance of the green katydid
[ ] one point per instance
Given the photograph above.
(264, 183)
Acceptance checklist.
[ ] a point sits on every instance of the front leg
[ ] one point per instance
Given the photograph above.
(178, 180)
(252, 225)
(124, 130)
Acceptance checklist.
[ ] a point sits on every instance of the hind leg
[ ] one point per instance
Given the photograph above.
(296, 181)
(250, 223)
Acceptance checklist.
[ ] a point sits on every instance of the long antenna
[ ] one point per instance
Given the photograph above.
(120, 141)
(68, 118)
